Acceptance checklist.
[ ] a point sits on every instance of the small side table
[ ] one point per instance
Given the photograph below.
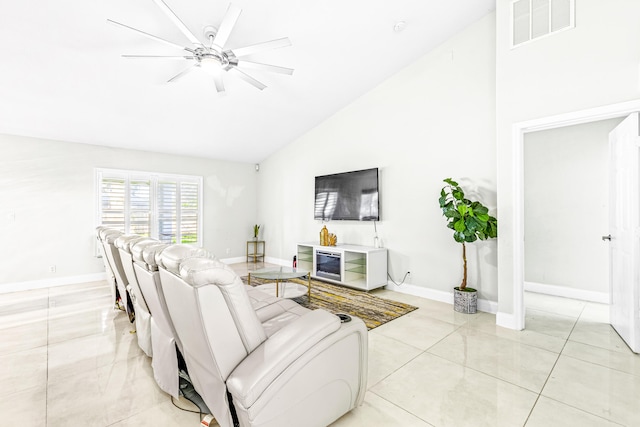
(258, 247)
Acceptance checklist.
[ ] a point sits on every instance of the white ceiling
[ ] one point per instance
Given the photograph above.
(62, 76)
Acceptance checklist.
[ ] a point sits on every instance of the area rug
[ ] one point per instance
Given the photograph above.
(373, 310)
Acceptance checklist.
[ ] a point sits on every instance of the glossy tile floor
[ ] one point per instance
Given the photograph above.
(68, 359)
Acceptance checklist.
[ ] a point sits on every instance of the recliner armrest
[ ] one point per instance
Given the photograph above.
(256, 372)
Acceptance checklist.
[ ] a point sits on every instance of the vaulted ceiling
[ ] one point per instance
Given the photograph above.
(62, 75)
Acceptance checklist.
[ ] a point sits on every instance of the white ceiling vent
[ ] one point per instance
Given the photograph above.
(532, 19)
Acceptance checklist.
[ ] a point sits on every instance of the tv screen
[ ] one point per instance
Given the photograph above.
(347, 196)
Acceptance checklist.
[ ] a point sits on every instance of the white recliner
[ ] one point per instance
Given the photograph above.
(101, 233)
(163, 337)
(113, 256)
(310, 370)
(125, 243)
(112, 244)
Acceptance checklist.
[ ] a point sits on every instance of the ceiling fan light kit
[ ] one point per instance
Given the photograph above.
(211, 54)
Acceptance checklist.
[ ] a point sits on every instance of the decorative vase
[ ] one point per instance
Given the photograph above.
(324, 236)
(465, 301)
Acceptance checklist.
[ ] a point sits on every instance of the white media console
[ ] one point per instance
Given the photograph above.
(360, 267)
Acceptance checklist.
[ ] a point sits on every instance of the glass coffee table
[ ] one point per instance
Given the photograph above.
(282, 288)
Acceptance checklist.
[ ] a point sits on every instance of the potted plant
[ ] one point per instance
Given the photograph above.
(256, 230)
(470, 221)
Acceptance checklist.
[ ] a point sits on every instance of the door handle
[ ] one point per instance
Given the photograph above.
(607, 237)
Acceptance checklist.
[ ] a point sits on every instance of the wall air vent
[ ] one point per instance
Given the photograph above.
(533, 19)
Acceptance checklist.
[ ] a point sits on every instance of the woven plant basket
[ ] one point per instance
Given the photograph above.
(465, 301)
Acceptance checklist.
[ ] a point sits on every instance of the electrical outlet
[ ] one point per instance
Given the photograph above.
(52, 269)
(228, 251)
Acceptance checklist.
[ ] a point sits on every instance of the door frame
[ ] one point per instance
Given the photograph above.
(516, 177)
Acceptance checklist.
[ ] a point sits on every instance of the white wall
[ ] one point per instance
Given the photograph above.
(433, 120)
(566, 201)
(48, 205)
(594, 64)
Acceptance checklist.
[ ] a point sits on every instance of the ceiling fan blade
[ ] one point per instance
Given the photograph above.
(265, 67)
(159, 56)
(228, 22)
(247, 78)
(151, 36)
(178, 23)
(182, 73)
(217, 79)
(259, 47)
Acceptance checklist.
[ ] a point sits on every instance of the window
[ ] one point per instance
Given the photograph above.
(165, 207)
(532, 19)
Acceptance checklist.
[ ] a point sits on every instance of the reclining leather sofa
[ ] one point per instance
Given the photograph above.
(255, 359)
(259, 361)
(135, 275)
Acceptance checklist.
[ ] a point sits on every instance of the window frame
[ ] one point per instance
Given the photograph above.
(153, 177)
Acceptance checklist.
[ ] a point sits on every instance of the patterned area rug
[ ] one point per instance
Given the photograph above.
(373, 310)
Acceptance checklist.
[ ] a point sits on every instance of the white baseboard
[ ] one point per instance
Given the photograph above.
(507, 320)
(278, 261)
(406, 288)
(269, 260)
(235, 260)
(419, 291)
(563, 291)
(48, 283)
(487, 306)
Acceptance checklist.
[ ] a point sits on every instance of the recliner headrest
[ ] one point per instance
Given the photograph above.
(149, 253)
(125, 241)
(111, 236)
(103, 231)
(99, 230)
(203, 271)
(135, 247)
(171, 257)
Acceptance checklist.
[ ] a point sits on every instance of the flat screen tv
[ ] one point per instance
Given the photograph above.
(347, 196)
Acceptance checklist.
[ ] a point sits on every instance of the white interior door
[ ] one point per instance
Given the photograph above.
(624, 142)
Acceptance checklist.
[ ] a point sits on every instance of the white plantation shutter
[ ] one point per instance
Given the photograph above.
(189, 206)
(112, 202)
(166, 204)
(165, 207)
(140, 207)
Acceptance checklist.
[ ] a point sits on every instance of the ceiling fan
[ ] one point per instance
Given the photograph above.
(212, 54)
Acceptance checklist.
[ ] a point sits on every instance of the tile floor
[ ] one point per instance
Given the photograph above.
(68, 359)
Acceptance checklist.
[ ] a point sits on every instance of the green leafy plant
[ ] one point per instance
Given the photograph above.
(469, 220)
(256, 230)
